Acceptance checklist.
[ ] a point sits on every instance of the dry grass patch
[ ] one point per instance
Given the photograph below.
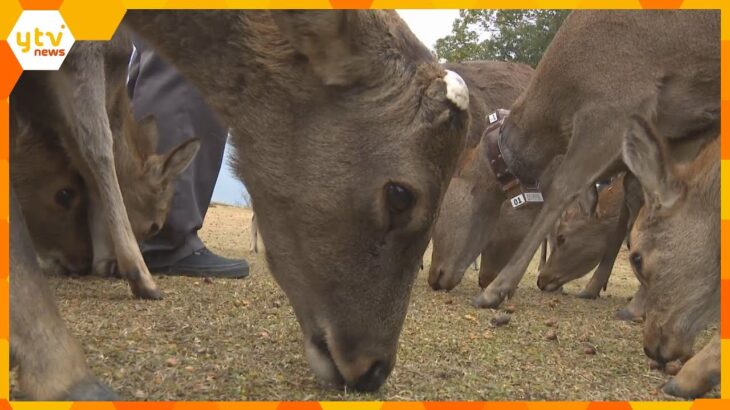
(239, 340)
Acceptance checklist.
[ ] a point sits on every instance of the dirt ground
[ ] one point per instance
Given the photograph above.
(239, 340)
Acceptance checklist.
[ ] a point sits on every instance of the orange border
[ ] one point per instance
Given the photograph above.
(97, 20)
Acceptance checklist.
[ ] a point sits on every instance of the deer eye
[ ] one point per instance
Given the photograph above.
(560, 240)
(637, 262)
(64, 197)
(398, 198)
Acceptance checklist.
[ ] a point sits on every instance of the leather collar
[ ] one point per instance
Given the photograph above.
(518, 193)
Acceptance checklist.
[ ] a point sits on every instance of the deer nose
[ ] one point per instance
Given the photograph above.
(435, 280)
(373, 378)
(655, 355)
(436, 283)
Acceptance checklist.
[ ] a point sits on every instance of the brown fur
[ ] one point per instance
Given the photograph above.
(582, 242)
(147, 178)
(492, 85)
(50, 361)
(254, 235)
(700, 374)
(601, 68)
(77, 106)
(677, 238)
(75, 114)
(470, 210)
(327, 109)
(52, 194)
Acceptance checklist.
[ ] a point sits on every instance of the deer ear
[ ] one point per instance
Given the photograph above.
(177, 160)
(325, 38)
(147, 135)
(646, 156)
(588, 201)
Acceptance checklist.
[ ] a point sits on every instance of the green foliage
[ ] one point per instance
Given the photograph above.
(507, 35)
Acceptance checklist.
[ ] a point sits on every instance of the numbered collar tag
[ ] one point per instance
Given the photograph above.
(525, 198)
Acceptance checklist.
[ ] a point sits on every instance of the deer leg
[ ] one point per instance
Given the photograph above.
(487, 271)
(636, 309)
(589, 155)
(543, 255)
(699, 375)
(603, 271)
(104, 259)
(634, 200)
(51, 363)
(81, 93)
(254, 235)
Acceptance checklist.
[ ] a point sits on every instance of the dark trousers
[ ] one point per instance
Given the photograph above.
(158, 89)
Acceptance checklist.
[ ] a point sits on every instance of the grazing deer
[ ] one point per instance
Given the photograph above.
(601, 68)
(49, 129)
(146, 178)
(53, 197)
(471, 206)
(347, 131)
(147, 181)
(675, 254)
(584, 241)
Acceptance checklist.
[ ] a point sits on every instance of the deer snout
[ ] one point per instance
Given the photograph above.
(335, 367)
(434, 278)
(547, 284)
(374, 377)
(439, 279)
(661, 347)
(366, 374)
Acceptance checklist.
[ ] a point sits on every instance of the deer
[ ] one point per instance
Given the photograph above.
(468, 215)
(347, 132)
(53, 196)
(147, 178)
(675, 254)
(601, 68)
(584, 241)
(53, 204)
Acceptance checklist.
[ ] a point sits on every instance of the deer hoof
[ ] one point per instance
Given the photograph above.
(673, 388)
(628, 316)
(488, 300)
(585, 294)
(148, 293)
(91, 389)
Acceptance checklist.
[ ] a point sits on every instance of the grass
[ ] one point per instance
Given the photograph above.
(239, 340)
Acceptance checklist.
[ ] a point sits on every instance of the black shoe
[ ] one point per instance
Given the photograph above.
(204, 263)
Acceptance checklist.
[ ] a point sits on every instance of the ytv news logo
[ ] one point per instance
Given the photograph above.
(40, 40)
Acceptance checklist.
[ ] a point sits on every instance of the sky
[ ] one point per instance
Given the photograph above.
(427, 25)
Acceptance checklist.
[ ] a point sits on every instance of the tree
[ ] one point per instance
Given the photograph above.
(507, 35)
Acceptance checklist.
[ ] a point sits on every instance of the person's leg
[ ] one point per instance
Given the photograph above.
(157, 89)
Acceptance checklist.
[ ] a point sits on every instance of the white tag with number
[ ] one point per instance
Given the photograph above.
(492, 118)
(527, 197)
(517, 201)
